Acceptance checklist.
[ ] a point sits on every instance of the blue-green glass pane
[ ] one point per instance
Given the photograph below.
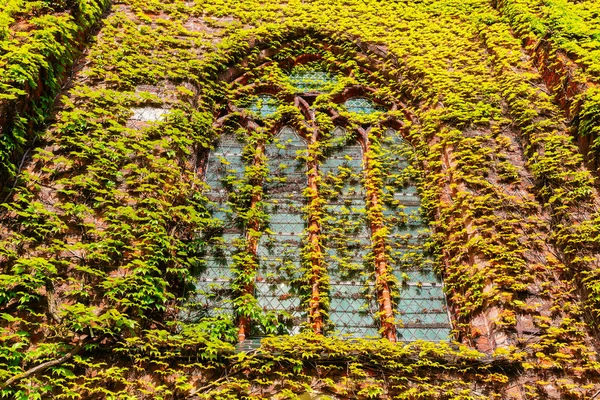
(224, 164)
(213, 292)
(421, 311)
(347, 239)
(279, 247)
(263, 105)
(361, 105)
(224, 167)
(350, 313)
(287, 170)
(312, 81)
(428, 334)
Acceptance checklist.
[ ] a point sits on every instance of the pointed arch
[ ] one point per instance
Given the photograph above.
(347, 284)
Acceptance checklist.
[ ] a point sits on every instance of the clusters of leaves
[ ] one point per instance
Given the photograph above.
(39, 41)
(574, 27)
(572, 30)
(99, 241)
(322, 367)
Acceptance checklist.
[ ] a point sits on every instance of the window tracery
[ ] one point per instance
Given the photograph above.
(369, 238)
(310, 80)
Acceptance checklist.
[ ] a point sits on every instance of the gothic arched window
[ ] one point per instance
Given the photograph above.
(321, 222)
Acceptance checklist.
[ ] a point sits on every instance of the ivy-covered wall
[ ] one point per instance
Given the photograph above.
(103, 233)
(564, 40)
(39, 41)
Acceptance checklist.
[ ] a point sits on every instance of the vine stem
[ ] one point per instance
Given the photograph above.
(203, 388)
(316, 316)
(42, 367)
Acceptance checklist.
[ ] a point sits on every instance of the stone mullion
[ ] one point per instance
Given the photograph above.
(252, 237)
(315, 258)
(317, 264)
(378, 239)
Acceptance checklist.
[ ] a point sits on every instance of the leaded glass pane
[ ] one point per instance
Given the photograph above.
(287, 171)
(279, 248)
(352, 301)
(263, 105)
(312, 81)
(361, 105)
(213, 283)
(224, 167)
(421, 309)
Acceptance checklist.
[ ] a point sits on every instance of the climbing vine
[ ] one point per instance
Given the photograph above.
(39, 42)
(110, 222)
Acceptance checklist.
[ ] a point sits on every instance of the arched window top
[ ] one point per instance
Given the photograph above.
(289, 135)
(338, 136)
(228, 145)
(338, 132)
(392, 136)
(286, 144)
(263, 105)
(361, 105)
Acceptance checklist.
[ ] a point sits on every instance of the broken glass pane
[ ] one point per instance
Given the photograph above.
(148, 114)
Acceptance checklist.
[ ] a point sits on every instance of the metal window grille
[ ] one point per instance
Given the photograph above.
(352, 299)
(213, 285)
(421, 309)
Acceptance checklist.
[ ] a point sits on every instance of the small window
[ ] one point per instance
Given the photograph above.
(312, 81)
(361, 105)
(263, 105)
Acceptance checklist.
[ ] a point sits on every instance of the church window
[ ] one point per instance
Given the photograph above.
(369, 240)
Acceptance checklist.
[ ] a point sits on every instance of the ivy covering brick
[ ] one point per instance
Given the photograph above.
(107, 226)
(39, 42)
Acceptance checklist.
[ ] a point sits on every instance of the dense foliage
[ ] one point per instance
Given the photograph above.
(102, 235)
(570, 33)
(39, 41)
